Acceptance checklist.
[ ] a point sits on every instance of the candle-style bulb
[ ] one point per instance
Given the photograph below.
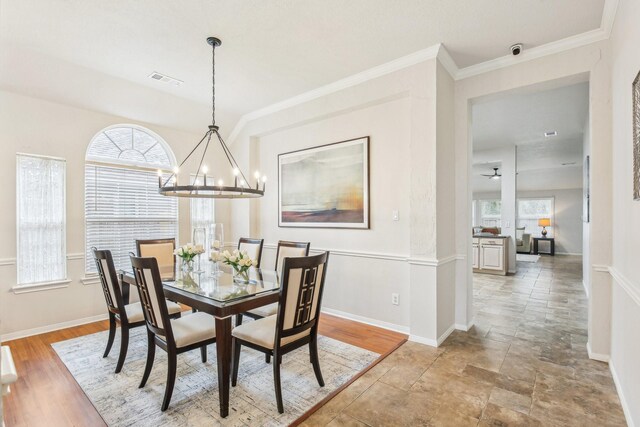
(205, 169)
(159, 172)
(264, 178)
(257, 175)
(220, 182)
(176, 169)
(236, 171)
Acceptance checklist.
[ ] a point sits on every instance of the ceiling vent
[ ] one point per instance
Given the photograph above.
(568, 164)
(550, 133)
(165, 79)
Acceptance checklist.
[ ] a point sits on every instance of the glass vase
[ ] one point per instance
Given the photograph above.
(240, 276)
(200, 242)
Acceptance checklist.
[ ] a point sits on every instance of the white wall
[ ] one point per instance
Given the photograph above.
(625, 302)
(34, 126)
(567, 226)
(558, 69)
(355, 285)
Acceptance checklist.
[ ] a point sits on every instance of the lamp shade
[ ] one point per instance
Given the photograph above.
(544, 222)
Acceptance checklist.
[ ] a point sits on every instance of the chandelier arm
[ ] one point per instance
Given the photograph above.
(186, 158)
(206, 147)
(231, 159)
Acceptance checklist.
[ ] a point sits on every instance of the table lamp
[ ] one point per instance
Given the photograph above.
(544, 222)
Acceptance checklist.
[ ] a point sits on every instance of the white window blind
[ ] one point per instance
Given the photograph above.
(41, 216)
(121, 206)
(122, 203)
(202, 212)
(490, 213)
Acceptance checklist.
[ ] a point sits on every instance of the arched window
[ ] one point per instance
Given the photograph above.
(122, 203)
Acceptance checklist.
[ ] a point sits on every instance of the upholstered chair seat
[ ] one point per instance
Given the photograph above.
(193, 328)
(262, 332)
(135, 313)
(265, 311)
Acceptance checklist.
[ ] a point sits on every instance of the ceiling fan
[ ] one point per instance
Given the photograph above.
(495, 175)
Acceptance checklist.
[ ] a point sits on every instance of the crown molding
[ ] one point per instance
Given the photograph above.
(354, 80)
(440, 52)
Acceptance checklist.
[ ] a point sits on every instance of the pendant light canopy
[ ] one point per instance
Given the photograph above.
(209, 187)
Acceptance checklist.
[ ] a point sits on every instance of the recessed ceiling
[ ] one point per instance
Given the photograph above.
(272, 49)
(521, 119)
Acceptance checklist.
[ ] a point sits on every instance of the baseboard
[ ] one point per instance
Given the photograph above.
(597, 356)
(569, 253)
(586, 290)
(50, 328)
(432, 342)
(623, 401)
(366, 320)
(464, 328)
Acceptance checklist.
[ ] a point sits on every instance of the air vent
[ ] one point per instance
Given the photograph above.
(165, 79)
(568, 164)
(550, 133)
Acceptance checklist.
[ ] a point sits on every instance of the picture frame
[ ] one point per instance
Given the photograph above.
(586, 190)
(636, 137)
(325, 186)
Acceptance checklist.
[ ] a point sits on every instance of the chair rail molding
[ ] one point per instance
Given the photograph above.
(632, 289)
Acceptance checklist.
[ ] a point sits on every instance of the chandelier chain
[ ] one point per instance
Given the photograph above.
(213, 84)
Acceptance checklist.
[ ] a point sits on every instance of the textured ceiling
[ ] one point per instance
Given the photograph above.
(521, 119)
(272, 49)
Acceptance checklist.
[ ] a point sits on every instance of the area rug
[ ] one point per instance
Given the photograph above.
(527, 258)
(195, 396)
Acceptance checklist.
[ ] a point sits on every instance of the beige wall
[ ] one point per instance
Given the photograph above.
(409, 116)
(35, 126)
(625, 339)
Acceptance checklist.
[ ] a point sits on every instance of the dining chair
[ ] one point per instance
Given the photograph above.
(295, 324)
(129, 315)
(175, 336)
(285, 249)
(253, 248)
(162, 250)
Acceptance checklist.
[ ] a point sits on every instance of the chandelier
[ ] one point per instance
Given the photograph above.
(207, 188)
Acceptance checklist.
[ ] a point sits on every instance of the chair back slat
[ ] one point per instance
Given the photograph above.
(163, 251)
(151, 293)
(290, 250)
(108, 280)
(301, 294)
(253, 247)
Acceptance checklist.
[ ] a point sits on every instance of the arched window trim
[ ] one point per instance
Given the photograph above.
(99, 160)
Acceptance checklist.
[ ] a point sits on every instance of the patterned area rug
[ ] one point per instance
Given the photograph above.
(195, 396)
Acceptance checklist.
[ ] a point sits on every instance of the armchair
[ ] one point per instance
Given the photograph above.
(523, 241)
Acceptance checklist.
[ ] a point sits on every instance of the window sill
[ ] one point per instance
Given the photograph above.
(90, 279)
(37, 287)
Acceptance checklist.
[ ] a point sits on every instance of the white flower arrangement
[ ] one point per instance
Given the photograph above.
(241, 262)
(189, 251)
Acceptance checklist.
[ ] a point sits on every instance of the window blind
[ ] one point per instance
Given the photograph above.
(122, 205)
(41, 216)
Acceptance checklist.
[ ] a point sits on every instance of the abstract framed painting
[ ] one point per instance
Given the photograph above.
(325, 186)
(636, 137)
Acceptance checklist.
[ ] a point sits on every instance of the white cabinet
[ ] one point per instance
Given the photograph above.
(490, 255)
(476, 255)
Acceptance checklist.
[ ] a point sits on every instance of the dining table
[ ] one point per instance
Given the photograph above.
(220, 295)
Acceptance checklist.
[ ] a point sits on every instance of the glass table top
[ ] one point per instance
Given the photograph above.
(221, 287)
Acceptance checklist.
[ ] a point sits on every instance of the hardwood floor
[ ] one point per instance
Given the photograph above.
(47, 394)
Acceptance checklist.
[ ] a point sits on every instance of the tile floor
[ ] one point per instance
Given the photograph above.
(524, 363)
